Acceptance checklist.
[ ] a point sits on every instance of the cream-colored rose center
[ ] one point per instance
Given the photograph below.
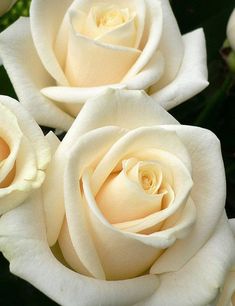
(112, 18)
(4, 153)
(103, 19)
(138, 190)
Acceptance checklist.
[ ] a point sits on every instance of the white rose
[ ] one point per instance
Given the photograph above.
(5, 5)
(24, 154)
(227, 295)
(68, 51)
(135, 203)
(231, 30)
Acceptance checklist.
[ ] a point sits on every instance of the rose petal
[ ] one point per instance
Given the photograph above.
(145, 137)
(149, 75)
(73, 98)
(192, 75)
(84, 57)
(171, 45)
(44, 33)
(54, 201)
(198, 282)
(101, 140)
(108, 109)
(15, 45)
(208, 191)
(23, 242)
(154, 33)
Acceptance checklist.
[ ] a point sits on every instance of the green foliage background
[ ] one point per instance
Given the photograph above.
(214, 109)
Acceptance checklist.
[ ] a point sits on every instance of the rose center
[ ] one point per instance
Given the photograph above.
(138, 189)
(111, 18)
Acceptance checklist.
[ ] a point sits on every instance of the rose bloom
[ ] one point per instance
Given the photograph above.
(24, 154)
(5, 5)
(131, 211)
(68, 51)
(231, 30)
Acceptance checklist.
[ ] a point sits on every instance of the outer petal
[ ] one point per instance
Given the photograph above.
(45, 21)
(199, 281)
(208, 194)
(192, 75)
(171, 44)
(15, 46)
(23, 242)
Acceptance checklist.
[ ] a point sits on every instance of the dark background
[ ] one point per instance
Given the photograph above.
(214, 109)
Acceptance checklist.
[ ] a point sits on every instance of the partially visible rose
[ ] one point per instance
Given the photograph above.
(75, 49)
(24, 154)
(231, 30)
(227, 295)
(5, 5)
(135, 203)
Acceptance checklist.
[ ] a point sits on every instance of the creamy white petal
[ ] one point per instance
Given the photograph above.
(97, 141)
(198, 282)
(171, 45)
(15, 45)
(73, 98)
(23, 242)
(53, 141)
(122, 254)
(108, 109)
(141, 138)
(44, 33)
(149, 75)
(192, 75)
(85, 57)
(208, 191)
(155, 20)
(54, 201)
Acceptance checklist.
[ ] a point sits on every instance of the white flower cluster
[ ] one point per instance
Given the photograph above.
(128, 209)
